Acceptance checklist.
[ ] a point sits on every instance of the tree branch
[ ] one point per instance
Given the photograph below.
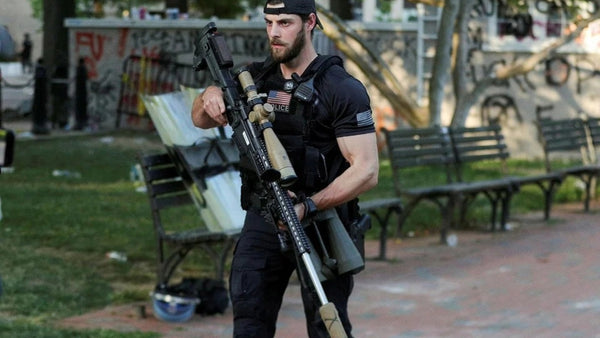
(520, 67)
(372, 66)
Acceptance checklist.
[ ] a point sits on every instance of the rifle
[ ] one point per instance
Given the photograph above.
(253, 135)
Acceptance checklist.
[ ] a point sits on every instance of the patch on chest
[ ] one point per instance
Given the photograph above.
(280, 101)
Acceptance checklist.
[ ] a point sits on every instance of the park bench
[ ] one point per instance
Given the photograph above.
(382, 209)
(447, 151)
(169, 185)
(431, 148)
(572, 138)
(487, 143)
(172, 176)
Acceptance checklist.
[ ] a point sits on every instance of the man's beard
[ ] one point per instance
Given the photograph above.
(291, 53)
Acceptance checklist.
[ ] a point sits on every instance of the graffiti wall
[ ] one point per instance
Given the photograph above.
(108, 48)
(563, 85)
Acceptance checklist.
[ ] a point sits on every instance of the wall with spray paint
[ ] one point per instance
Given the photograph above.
(106, 45)
(561, 86)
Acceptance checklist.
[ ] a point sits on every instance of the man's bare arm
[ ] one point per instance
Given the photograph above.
(362, 175)
(208, 109)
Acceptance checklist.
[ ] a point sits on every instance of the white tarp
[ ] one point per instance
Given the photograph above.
(171, 115)
(219, 203)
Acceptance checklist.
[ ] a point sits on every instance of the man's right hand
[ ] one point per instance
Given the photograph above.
(208, 109)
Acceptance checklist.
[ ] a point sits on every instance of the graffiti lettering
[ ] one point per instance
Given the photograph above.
(249, 44)
(484, 8)
(123, 34)
(101, 95)
(539, 111)
(176, 42)
(496, 108)
(586, 69)
(94, 43)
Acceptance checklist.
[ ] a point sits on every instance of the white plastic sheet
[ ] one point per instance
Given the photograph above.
(219, 202)
(171, 115)
(223, 199)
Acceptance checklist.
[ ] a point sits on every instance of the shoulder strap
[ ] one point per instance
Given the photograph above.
(268, 65)
(316, 68)
(320, 65)
(305, 89)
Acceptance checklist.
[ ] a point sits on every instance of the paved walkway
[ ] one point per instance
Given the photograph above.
(539, 280)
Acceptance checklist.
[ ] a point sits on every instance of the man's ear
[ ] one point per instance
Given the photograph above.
(312, 21)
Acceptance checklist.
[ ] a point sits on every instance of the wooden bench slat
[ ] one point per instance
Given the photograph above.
(165, 202)
(161, 173)
(154, 160)
(169, 187)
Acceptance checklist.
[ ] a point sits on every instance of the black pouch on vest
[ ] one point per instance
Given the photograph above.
(315, 169)
(357, 232)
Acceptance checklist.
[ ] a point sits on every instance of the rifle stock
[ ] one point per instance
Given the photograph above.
(254, 136)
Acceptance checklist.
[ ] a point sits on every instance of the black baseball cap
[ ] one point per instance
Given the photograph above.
(300, 7)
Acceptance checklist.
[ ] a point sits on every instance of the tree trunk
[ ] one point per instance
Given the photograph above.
(56, 35)
(461, 43)
(461, 57)
(441, 61)
(56, 46)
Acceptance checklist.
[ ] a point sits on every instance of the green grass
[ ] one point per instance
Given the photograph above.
(56, 231)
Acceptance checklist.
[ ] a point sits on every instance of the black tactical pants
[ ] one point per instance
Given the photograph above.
(259, 276)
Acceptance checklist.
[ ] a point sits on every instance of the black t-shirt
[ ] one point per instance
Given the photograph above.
(342, 104)
(340, 107)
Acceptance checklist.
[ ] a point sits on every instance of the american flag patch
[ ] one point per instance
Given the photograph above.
(277, 97)
(364, 119)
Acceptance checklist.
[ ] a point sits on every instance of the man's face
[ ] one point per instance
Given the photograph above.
(286, 36)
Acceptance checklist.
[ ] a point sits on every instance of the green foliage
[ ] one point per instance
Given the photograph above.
(37, 6)
(208, 8)
(225, 9)
(84, 8)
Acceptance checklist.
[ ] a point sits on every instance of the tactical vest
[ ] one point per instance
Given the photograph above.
(316, 165)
